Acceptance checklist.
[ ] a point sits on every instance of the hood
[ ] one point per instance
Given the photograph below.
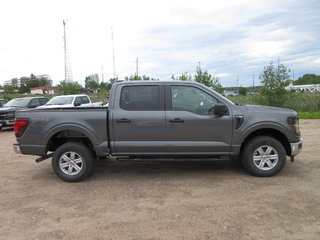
(266, 109)
(8, 109)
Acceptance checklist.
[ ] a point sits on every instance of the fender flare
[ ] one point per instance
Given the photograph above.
(263, 125)
(67, 126)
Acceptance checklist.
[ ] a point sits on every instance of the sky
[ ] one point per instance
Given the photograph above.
(231, 39)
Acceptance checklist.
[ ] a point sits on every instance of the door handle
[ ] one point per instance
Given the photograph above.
(176, 120)
(123, 120)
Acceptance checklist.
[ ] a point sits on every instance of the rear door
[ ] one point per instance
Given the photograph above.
(191, 127)
(138, 120)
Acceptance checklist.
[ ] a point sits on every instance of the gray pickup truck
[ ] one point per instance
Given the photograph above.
(160, 121)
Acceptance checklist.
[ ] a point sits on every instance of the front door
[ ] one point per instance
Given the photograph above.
(191, 126)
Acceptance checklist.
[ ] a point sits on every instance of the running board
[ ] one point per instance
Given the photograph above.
(172, 159)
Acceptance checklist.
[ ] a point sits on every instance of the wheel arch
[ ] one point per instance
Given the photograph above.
(270, 132)
(69, 133)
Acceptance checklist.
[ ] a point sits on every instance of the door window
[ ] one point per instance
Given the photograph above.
(191, 99)
(85, 100)
(43, 101)
(34, 103)
(78, 100)
(140, 98)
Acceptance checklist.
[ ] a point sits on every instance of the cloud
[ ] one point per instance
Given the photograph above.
(229, 38)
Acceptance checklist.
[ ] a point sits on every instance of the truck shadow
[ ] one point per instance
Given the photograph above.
(113, 168)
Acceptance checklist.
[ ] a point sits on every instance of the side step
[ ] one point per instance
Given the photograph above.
(172, 159)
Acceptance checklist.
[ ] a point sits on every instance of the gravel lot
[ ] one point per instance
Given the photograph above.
(161, 200)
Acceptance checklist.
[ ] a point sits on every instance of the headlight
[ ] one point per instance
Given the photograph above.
(10, 115)
(294, 124)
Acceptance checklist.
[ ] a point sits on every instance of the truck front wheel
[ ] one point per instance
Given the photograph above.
(263, 156)
(72, 162)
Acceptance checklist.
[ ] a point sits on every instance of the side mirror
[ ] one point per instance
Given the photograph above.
(77, 104)
(220, 109)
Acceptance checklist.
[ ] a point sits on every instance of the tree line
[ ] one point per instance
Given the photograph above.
(272, 91)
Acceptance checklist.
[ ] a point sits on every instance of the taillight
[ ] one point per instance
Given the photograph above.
(20, 126)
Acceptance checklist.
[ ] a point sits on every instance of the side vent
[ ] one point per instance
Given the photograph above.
(239, 121)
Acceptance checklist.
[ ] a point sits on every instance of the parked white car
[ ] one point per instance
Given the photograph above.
(70, 101)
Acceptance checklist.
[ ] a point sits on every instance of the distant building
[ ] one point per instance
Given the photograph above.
(304, 88)
(45, 90)
(94, 77)
(13, 82)
(17, 82)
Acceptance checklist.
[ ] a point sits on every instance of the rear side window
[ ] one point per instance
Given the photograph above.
(43, 101)
(85, 100)
(140, 98)
(34, 103)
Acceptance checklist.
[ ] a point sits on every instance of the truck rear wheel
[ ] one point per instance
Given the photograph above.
(263, 156)
(72, 162)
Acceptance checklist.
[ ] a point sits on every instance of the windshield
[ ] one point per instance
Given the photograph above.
(18, 102)
(60, 101)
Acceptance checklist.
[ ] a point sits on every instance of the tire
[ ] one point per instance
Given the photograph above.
(263, 156)
(72, 162)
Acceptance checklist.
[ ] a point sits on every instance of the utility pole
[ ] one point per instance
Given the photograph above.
(292, 76)
(114, 60)
(253, 83)
(102, 77)
(137, 67)
(67, 64)
(237, 81)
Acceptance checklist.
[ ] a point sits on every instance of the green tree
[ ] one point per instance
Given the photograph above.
(89, 83)
(69, 87)
(205, 78)
(274, 80)
(183, 77)
(34, 81)
(138, 78)
(105, 86)
(133, 78)
(144, 77)
(113, 80)
(243, 91)
(308, 79)
(8, 89)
